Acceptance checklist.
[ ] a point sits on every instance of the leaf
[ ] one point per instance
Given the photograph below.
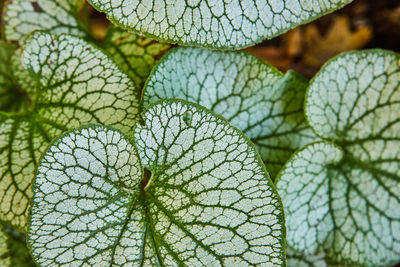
(5, 259)
(253, 96)
(13, 249)
(78, 84)
(17, 251)
(24, 16)
(7, 88)
(135, 54)
(208, 188)
(83, 211)
(344, 198)
(11, 97)
(206, 201)
(295, 259)
(214, 24)
(24, 83)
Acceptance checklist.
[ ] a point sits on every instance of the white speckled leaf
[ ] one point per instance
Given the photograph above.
(135, 54)
(210, 200)
(76, 76)
(77, 84)
(345, 198)
(252, 95)
(24, 16)
(87, 205)
(210, 23)
(206, 202)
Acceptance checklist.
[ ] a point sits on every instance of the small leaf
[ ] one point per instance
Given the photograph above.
(24, 16)
(5, 259)
(344, 199)
(204, 200)
(215, 24)
(11, 97)
(6, 52)
(23, 80)
(135, 54)
(17, 249)
(253, 96)
(295, 259)
(77, 84)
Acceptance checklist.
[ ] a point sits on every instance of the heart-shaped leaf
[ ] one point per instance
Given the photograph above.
(24, 16)
(76, 84)
(215, 24)
(135, 54)
(344, 199)
(252, 95)
(205, 199)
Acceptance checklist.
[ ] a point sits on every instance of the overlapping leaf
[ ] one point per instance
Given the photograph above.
(207, 200)
(77, 84)
(345, 198)
(24, 16)
(216, 24)
(135, 54)
(253, 96)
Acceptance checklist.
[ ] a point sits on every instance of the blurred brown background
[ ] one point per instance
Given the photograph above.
(360, 25)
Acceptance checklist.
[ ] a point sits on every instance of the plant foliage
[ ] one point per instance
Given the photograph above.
(208, 201)
(214, 24)
(344, 198)
(140, 162)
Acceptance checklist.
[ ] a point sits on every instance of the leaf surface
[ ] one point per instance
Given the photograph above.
(295, 259)
(215, 24)
(83, 211)
(24, 16)
(210, 197)
(77, 84)
(345, 198)
(4, 257)
(134, 54)
(204, 198)
(252, 95)
(11, 95)
(17, 251)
